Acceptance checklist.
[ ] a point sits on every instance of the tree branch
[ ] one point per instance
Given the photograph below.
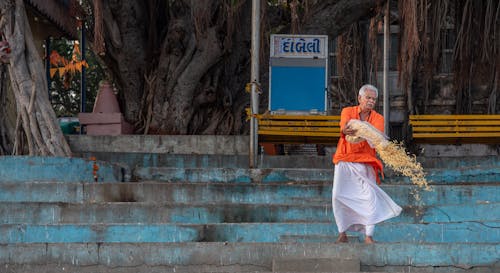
(343, 13)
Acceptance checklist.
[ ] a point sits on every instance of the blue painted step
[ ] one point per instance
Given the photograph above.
(476, 232)
(488, 174)
(198, 193)
(64, 169)
(287, 161)
(209, 169)
(57, 213)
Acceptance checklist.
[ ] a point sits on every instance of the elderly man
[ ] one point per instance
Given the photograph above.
(358, 203)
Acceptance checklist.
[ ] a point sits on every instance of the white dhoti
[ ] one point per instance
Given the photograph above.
(358, 202)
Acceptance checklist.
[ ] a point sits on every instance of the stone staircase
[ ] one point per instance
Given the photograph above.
(208, 213)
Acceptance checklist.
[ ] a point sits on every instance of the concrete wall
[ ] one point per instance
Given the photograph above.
(459, 150)
(233, 145)
(168, 144)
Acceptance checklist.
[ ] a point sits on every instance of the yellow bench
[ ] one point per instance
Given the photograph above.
(289, 129)
(455, 128)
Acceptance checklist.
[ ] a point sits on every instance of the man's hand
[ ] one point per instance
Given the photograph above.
(349, 131)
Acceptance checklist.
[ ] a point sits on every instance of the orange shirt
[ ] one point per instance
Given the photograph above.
(359, 152)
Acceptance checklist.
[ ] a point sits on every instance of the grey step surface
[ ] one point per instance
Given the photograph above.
(316, 265)
(138, 212)
(258, 255)
(197, 193)
(55, 268)
(450, 232)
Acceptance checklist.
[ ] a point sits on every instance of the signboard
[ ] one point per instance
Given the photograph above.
(299, 46)
(298, 75)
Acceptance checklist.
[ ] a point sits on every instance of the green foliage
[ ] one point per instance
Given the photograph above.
(65, 90)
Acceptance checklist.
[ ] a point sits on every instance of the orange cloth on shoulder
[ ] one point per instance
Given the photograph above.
(359, 152)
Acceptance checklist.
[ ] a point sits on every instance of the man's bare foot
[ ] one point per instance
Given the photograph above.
(342, 238)
(369, 240)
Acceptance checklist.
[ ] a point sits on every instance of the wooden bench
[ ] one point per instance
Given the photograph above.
(295, 129)
(455, 128)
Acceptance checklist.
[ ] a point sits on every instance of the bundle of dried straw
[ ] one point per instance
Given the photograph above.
(392, 153)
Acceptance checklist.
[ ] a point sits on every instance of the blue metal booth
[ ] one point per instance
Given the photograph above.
(298, 75)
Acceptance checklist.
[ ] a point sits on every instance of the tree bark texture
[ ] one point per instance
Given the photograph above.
(36, 117)
(332, 17)
(7, 113)
(181, 66)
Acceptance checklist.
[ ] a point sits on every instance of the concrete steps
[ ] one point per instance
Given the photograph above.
(215, 219)
(39, 213)
(63, 169)
(437, 232)
(316, 265)
(246, 193)
(269, 175)
(251, 257)
(200, 160)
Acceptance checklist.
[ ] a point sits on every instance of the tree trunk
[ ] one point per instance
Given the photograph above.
(181, 67)
(7, 114)
(35, 114)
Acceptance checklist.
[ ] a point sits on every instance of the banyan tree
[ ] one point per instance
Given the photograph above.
(181, 67)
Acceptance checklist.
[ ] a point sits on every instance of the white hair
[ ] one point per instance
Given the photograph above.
(365, 87)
